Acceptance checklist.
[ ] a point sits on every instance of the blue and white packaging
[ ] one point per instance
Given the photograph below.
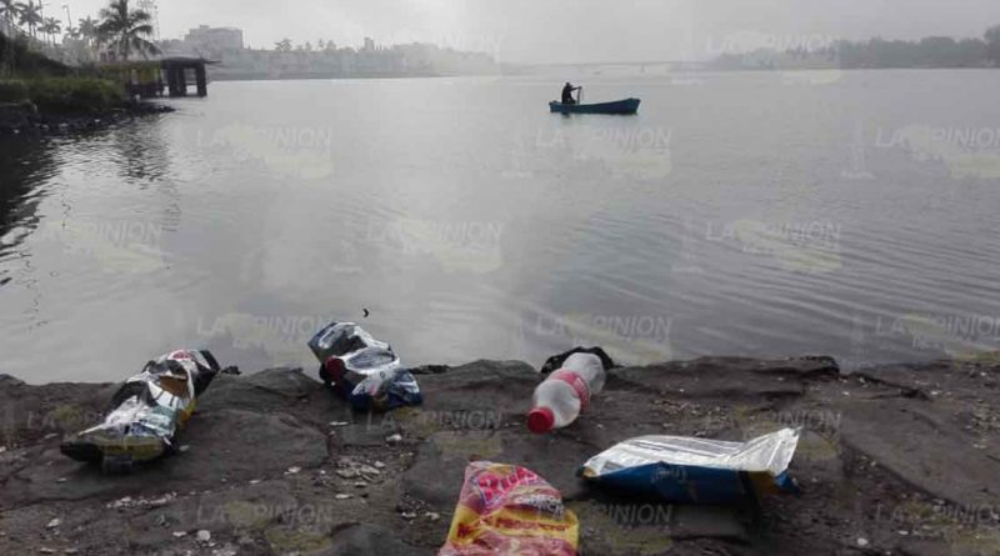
(696, 470)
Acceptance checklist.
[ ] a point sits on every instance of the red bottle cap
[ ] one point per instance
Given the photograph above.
(334, 369)
(541, 420)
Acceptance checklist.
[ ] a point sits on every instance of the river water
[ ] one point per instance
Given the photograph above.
(852, 214)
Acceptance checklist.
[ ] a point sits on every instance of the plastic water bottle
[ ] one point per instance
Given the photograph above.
(559, 400)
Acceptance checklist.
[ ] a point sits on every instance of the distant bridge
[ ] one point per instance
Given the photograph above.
(621, 63)
(642, 65)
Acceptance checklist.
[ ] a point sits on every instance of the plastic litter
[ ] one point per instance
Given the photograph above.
(683, 469)
(363, 370)
(506, 510)
(147, 411)
(560, 398)
(555, 362)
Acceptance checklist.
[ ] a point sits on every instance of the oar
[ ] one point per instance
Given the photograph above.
(579, 96)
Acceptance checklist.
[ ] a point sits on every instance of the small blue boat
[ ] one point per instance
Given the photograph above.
(627, 106)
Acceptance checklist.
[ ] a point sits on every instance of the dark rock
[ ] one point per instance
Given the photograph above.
(219, 436)
(365, 540)
(7, 381)
(15, 115)
(23, 118)
(896, 432)
(872, 460)
(729, 378)
(367, 434)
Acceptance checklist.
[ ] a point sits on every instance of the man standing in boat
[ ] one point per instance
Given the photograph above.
(567, 94)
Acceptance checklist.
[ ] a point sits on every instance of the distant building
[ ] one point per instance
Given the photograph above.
(214, 39)
(369, 45)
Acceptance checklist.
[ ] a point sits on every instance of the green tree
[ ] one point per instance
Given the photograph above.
(126, 30)
(51, 27)
(30, 15)
(9, 10)
(88, 27)
(284, 46)
(993, 44)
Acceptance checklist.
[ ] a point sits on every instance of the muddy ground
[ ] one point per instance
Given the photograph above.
(901, 460)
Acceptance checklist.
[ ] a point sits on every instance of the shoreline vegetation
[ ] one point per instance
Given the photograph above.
(40, 95)
(49, 98)
(812, 53)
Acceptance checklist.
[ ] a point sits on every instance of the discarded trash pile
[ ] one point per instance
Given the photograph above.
(363, 370)
(503, 508)
(147, 411)
(509, 511)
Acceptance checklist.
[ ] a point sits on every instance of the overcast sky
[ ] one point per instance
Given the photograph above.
(573, 30)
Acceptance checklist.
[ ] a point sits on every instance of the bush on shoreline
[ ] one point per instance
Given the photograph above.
(64, 95)
(13, 91)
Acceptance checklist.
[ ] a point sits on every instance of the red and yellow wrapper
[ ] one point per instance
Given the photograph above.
(506, 510)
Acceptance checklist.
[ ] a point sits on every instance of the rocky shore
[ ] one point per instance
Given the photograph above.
(22, 119)
(899, 459)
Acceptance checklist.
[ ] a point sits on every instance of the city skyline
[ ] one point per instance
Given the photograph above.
(519, 31)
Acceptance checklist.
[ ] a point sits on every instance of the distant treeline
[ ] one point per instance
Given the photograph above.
(330, 61)
(929, 52)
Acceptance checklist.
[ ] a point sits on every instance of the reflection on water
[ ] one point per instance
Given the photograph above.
(732, 216)
(142, 157)
(26, 165)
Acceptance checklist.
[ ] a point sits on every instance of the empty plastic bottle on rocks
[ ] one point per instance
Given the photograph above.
(559, 400)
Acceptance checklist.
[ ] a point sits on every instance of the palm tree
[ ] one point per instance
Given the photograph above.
(51, 26)
(29, 15)
(88, 29)
(9, 10)
(125, 30)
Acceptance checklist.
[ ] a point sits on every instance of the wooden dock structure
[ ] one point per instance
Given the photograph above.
(155, 78)
(176, 71)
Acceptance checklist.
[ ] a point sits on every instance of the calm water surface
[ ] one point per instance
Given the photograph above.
(851, 214)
